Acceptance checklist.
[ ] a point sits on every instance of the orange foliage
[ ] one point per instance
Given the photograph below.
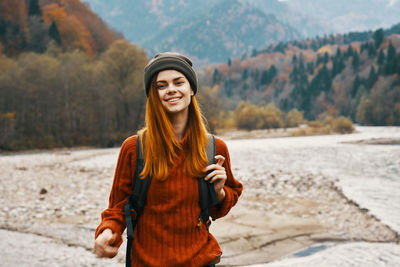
(93, 23)
(12, 10)
(223, 69)
(356, 47)
(308, 57)
(325, 49)
(246, 64)
(72, 31)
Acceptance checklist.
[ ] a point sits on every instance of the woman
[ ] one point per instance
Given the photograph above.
(167, 232)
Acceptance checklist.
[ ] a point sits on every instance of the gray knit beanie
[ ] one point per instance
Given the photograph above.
(168, 61)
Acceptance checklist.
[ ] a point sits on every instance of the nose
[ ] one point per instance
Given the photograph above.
(171, 89)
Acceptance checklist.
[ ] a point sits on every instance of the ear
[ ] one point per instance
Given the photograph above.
(191, 92)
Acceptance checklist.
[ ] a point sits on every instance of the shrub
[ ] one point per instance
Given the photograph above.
(294, 118)
(342, 125)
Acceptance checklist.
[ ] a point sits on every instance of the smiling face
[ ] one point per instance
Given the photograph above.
(174, 92)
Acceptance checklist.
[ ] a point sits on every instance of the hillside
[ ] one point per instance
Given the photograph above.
(210, 31)
(230, 29)
(156, 24)
(335, 75)
(29, 25)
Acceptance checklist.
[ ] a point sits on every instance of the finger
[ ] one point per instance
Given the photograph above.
(219, 159)
(110, 251)
(218, 177)
(213, 167)
(210, 175)
(112, 240)
(215, 175)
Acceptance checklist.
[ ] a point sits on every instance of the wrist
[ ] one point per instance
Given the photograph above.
(220, 196)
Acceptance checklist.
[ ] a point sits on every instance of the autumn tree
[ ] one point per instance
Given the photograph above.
(294, 118)
(124, 64)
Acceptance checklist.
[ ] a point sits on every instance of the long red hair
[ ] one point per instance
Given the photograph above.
(161, 146)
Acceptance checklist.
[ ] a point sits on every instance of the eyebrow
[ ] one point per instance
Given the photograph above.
(175, 79)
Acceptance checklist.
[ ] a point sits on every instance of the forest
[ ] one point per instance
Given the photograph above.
(354, 75)
(66, 79)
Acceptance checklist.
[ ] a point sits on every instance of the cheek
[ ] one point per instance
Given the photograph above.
(160, 94)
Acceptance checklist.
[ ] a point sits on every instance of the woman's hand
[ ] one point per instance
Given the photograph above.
(103, 245)
(217, 177)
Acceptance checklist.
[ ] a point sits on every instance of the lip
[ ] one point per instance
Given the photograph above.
(173, 99)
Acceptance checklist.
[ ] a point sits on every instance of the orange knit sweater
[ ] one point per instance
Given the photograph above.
(167, 232)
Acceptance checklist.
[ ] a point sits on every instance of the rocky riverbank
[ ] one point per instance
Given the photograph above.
(51, 201)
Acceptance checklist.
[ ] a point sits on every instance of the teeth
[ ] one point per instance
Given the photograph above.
(173, 99)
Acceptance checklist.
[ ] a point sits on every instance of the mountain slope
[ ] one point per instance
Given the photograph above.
(229, 29)
(141, 19)
(195, 26)
(305, 25)
(335, 75)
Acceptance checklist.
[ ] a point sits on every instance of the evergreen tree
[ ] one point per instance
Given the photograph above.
(245, 74)
(294, 75)
(280, 47)
(372, 78)
(294, 59)
(378, 37)
(349, 52)
(381, 58)
(310, 67)
(371, 50)
(380, 70)
(326, 80)
(356, 62)
(264, 78)
(314, 45)
(338, 53)
(326, 58)
(391, 52)
(54, 33)
(364, 46)
(356, 84)
(34, 8)
(391, 60)
(216, 76)
(272, 72)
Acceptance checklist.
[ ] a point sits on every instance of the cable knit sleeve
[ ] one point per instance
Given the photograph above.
(113, 217)
(232, 188)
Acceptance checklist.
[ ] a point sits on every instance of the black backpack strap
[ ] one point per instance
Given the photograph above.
(136, 201)
(206, 190)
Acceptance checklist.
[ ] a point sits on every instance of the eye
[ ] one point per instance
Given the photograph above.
(179, 82)
(160, 86)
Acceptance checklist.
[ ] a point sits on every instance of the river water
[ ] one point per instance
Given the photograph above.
(368, 174)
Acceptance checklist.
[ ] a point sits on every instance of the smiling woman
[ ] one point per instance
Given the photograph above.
(174, 145)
